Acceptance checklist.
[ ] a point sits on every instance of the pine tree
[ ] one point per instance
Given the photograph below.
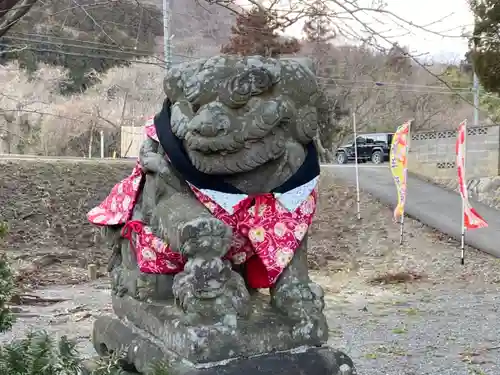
(398, 60)
(255, 33)
(485, 43)
(319, 32)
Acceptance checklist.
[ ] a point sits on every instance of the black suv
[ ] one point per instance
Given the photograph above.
(374, 147)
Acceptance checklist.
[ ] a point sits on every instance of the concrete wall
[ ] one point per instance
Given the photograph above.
(432, 154)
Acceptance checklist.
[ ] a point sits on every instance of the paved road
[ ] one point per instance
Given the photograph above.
(430, 204)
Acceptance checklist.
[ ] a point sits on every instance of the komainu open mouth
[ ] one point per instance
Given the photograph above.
(210, 145)
(250, 155)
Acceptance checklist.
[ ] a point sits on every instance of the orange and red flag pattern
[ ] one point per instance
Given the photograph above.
(399, 164)
(472, 220)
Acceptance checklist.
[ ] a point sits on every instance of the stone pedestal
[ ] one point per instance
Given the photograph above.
(150, 333)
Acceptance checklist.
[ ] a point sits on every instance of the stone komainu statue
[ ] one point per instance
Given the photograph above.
(218, 206)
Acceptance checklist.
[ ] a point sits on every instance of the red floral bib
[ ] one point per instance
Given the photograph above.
(267, 228)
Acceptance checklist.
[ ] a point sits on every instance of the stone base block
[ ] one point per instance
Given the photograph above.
(139, 353)
(306, 361)
(164, 323)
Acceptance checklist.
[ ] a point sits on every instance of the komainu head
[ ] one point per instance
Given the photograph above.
(234, 114)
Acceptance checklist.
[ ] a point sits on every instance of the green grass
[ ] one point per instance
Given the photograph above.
(399, 330)
(39, 354)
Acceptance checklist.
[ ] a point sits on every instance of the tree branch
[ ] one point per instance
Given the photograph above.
(9, 15)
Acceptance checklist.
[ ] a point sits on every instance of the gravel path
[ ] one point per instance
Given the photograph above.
(419, 331)
(441, 319)
(422, 329)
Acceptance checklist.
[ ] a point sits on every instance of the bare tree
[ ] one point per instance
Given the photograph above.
(11, 11)
(350, 18)
(254, 33)
(381, 94)
(352, 21)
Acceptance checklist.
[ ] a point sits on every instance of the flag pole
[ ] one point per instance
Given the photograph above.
(462, 237)
(401, 228)
(356, 167)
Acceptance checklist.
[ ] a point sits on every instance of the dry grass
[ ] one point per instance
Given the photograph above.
(44, 204)
(396, 278)
(368, 251)
(60, 125)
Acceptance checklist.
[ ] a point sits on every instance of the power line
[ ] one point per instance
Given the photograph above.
(38, 49)
(418, 89)
(142, 53)
(90, 42)
(380, 83)
(83, 46)
(28, 48)
(410, 90)
(457, 92)
(399, 88)
(136, 53)
(27, 110)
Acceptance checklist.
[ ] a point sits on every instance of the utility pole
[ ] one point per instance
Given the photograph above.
(167, 48)
(476, 99)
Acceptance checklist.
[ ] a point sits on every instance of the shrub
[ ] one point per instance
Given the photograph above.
(6, 287)
(39, 354)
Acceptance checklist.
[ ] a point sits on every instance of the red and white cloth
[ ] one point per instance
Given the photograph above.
(267, 228)
(472, 220)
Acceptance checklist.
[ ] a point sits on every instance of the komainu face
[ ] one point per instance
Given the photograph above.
(235, 114)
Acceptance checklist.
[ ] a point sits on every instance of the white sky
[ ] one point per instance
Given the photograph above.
(426, 11)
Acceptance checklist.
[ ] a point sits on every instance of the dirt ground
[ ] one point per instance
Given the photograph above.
(44, 204)
(410, 310)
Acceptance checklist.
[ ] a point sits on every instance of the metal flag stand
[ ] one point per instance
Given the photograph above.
(401, 229)
(356, 166)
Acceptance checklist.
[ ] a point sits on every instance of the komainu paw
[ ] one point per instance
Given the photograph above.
(205, 237)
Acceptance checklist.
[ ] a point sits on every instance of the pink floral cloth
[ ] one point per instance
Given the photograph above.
(265, 233)
(153, 255)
